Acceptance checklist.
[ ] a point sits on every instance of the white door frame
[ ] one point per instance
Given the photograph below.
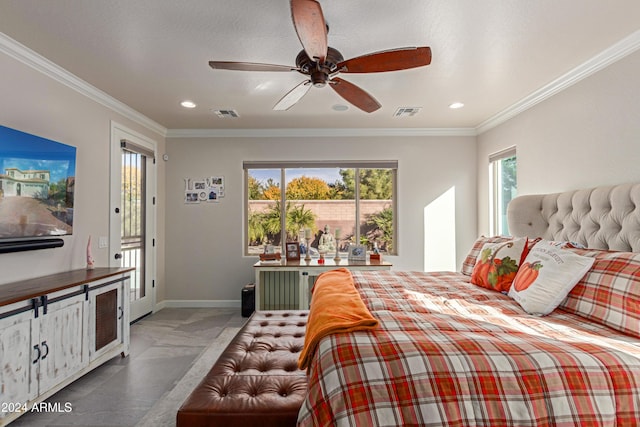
(118, 133)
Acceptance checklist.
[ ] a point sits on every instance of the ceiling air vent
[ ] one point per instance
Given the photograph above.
(223, 114)
(407, 111)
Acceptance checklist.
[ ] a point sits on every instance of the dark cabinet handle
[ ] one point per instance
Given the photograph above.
(37, 349)
(118, 256)
(121, 313)
(46, 348)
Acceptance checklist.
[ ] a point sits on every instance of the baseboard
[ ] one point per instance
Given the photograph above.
(183, 303)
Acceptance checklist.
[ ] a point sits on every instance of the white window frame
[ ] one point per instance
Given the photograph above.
(495, 194)
(351, 164)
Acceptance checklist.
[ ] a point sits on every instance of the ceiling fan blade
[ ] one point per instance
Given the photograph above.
(388, 60)
(354, 95)
(249, 66)
(311, 28)
(293, 96)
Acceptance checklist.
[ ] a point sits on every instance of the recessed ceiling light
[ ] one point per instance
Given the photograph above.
(340, 107)
(188, 104)
(456, 105)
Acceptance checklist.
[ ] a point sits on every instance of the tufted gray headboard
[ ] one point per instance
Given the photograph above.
(600, 218)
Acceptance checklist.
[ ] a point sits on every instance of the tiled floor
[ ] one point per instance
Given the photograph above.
(120, 392)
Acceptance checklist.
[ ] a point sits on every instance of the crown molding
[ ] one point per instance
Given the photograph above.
(34, 60)
(320, 132)
(605, 58)
(22, 53)
(41, 64)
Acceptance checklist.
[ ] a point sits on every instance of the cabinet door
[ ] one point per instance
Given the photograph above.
(18, 382)
(106, 319)
(61, 343)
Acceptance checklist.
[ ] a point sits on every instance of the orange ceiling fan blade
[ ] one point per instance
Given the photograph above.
(354, 95)
(311, 28)
(388, 60)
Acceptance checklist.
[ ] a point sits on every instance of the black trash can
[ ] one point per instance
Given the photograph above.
(248, 299)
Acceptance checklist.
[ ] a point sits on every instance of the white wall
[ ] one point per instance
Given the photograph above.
(205, 258)
(586, 136)
(205, 244)
(34, 103)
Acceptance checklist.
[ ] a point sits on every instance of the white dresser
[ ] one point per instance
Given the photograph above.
(56, 328)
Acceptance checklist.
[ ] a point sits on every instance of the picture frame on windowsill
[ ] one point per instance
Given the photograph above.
(292, 251)
(357, 253)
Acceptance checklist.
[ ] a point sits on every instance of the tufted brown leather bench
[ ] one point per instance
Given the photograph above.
(256, 380)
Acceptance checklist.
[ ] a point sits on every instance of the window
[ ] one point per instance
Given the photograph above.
(503, 187)
(353, 201)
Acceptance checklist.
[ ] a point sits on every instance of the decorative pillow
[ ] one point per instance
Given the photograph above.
(565, 244)
(609, 293)
(546, 277)
(498, 263)
(470, 261)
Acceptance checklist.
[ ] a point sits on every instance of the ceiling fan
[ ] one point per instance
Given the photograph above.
(323, 63)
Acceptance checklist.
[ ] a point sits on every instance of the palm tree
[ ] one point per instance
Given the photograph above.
(257, 232)
(383, 221)
(298, 218)
(266, 226)
(271, 223)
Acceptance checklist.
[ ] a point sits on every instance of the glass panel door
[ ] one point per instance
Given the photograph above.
(133, 229)
(132, 216)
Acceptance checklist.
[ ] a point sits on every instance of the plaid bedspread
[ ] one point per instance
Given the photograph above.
(448, 353)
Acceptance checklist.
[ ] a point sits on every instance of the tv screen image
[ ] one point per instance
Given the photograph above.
(37, 181)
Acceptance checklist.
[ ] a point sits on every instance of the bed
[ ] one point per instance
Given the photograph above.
(446, 351)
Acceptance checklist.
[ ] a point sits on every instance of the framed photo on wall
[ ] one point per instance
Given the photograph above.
(293, 251)
(357, 253)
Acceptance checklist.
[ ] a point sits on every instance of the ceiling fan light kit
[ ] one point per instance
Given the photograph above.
(322, 63)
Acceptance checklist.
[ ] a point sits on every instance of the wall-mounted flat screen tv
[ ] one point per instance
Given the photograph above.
(37, 181)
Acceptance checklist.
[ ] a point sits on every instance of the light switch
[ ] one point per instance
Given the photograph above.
(103, 242)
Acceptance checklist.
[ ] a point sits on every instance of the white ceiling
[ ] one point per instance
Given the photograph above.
(152, 54)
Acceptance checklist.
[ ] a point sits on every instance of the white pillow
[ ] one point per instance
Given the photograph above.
(546, 277)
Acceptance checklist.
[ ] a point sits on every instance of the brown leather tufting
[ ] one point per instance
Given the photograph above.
(256, 380)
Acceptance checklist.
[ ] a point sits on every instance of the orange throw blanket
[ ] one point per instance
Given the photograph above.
(336, 307)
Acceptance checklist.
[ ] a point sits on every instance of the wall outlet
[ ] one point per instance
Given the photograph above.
(103, 242)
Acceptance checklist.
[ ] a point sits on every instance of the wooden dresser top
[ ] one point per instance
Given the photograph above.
(32, 288)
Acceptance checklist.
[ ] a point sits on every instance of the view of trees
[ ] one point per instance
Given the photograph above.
(509, 180)
(132, 202)
(375, 184)
(265, 226)
(303, 188)
(382, 229)
(509, 185)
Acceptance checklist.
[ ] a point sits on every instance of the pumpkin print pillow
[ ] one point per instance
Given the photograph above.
(546, 277)
(498, 263)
